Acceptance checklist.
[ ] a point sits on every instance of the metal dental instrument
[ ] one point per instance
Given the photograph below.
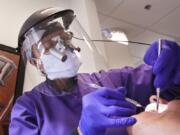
(137, 104)
(158, 89)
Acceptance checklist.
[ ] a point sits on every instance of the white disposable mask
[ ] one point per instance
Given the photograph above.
(56, 69)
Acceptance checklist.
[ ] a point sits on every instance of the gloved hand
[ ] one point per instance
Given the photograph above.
(166, 67)
(105, 108)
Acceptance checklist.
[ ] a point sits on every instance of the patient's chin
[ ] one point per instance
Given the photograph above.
(152, 107)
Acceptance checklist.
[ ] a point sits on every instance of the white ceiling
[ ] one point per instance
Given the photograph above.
(130, 15)
(161, 21)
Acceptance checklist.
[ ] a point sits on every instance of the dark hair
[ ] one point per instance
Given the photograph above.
(51, 28)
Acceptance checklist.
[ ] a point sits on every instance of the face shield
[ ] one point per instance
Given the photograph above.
(60, 47)
(53, 46)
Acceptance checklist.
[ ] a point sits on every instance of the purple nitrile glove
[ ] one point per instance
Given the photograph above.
(105, 108)
(166, 67)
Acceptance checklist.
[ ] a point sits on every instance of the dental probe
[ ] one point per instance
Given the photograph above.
(137, 104)
(158, 89)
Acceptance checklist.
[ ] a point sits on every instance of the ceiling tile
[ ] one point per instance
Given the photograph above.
(129, 29)
(102, 18)
(106, 6)
(170, 24)
(133, 11)
(138, 50)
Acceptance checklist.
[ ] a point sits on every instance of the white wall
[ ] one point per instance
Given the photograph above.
(14, 13)
(118, 55)
(87, 15)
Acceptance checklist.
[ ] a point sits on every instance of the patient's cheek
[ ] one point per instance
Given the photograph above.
(152, 123)
(144, 122)
(146, 119)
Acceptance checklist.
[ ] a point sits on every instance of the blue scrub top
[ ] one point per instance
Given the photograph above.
(35, 113)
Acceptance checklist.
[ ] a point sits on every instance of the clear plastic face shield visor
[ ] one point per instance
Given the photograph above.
(53, 46)
(49, 37)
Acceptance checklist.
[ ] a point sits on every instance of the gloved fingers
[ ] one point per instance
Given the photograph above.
(120, 103)
(176, 78)
(166, 56)
(162, 81)
(151, 54)
(164, 77)
(111, 93)
(118, 111)
(119, 122)
(122, 90)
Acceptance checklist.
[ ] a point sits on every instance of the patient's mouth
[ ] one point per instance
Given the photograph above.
(152, 107)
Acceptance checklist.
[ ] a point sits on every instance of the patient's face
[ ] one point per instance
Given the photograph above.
(152, 122)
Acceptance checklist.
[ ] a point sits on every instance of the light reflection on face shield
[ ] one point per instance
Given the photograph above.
(56, 43)
(50, 37)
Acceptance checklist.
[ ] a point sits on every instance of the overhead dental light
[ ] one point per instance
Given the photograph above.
(115, 34)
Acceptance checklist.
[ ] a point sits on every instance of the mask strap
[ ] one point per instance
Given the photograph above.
(39, 62)
(42, 53)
